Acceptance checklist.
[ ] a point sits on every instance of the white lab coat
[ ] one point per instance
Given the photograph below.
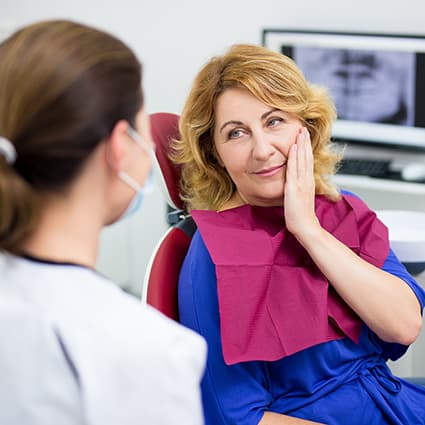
(75, 349)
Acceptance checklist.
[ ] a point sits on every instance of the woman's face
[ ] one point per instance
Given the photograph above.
(252, 140)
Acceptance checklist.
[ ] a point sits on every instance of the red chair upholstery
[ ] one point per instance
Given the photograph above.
(161, 278)
(164, 127)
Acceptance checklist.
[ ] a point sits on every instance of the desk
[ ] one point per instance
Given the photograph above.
(382, 194)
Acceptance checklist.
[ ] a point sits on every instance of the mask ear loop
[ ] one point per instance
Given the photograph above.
(122, 175)
(140, 141)
(130, 181)
(148, 186)
(7, 150)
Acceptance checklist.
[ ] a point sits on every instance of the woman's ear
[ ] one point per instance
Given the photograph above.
(116, 146)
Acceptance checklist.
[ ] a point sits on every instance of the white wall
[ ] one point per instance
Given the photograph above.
(173, 38)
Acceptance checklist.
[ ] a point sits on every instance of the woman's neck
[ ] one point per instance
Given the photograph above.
(234, 202)
(66, 232)
(237, 200)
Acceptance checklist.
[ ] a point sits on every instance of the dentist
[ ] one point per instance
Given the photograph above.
(76, 155)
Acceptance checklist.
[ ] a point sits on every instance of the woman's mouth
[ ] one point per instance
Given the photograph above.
(270, 171)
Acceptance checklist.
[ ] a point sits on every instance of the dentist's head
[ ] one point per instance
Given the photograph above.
(74, 137)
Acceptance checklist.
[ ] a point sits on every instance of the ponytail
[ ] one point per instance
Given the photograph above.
(19, 208)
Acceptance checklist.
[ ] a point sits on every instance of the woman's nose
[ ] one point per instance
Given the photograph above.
(262, 147)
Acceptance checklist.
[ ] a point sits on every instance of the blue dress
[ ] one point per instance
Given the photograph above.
(337, 382)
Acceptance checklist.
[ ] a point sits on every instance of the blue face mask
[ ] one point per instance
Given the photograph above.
(137, 200)
(140, 190)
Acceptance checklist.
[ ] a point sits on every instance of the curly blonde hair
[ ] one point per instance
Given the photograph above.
(275, 80)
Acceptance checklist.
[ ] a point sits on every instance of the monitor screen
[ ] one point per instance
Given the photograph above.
(376, 81)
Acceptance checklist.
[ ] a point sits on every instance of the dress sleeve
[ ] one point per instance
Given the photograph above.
(393, 265)
(231, 394)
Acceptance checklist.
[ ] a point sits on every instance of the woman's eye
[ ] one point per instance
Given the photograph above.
(234, 134)
(273, 122)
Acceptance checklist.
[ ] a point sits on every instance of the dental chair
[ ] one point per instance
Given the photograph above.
(162, 273)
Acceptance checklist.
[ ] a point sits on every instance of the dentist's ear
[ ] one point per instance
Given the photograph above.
(116, 146)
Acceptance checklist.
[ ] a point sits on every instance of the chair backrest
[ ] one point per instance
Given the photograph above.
(162, 273)
(165, 128)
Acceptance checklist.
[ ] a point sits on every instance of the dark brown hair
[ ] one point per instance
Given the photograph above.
(63, 87)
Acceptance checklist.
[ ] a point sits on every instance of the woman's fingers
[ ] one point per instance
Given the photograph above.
(291, 164)
(299, 171)
(308, 152)
(301, 153)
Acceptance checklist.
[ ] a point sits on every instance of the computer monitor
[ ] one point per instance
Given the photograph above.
(376, 81)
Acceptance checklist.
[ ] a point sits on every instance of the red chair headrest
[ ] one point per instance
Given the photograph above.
(164, 128)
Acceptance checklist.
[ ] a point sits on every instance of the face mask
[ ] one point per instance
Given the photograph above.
(137, 200)
(140, 190)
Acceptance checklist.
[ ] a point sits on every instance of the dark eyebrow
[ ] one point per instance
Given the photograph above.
(263, 117)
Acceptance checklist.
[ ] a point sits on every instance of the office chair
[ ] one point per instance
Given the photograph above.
(162, 273)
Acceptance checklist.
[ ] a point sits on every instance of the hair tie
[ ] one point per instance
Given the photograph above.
(7, 150)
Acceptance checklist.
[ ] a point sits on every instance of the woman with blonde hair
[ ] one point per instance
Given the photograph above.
(291, 281)
(76, 155)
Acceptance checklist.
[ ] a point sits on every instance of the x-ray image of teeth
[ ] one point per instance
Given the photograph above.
(371, 86)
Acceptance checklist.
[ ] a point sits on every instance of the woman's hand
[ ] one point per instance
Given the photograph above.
(384, 302)
(299, 192)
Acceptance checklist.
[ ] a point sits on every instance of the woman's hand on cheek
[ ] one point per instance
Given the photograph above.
(299, 191)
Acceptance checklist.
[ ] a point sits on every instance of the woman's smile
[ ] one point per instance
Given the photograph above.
(270, 171)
